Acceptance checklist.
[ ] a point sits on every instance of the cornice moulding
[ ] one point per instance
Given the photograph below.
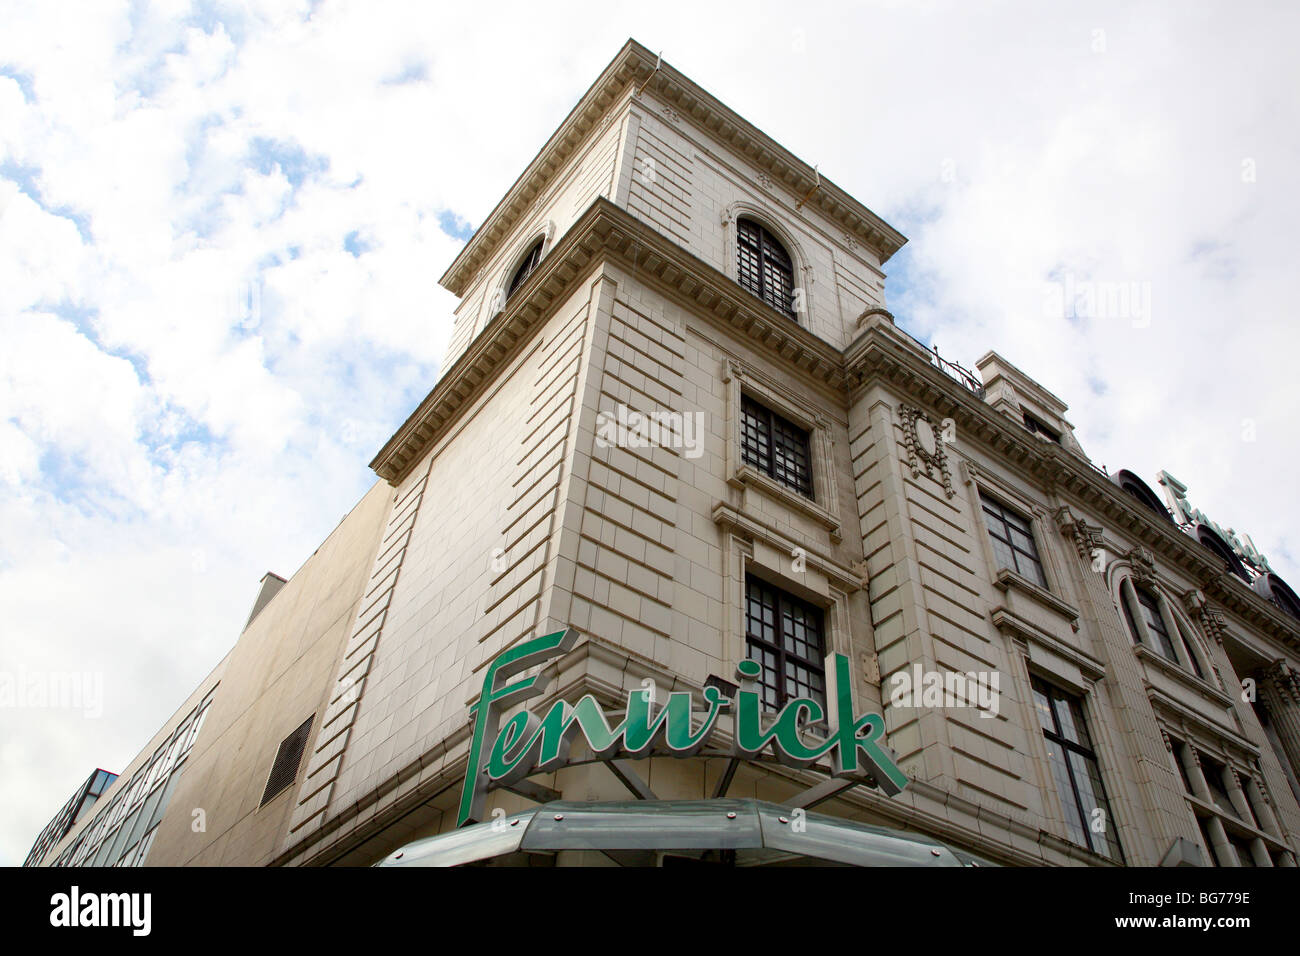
(634, 66)
(881, 353)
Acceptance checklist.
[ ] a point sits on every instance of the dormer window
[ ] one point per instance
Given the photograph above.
(1039, 427)
(525, 268)
(764, 267)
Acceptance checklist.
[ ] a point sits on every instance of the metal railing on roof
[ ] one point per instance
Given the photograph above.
(954, 370)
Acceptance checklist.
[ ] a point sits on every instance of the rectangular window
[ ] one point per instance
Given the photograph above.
(784, 634)
(1013, 541)
(1213, 771)
(1074, 767)
(1155, 624)
(1039, 427)
(775, 446)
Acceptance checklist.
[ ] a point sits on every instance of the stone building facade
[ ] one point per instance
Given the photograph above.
(665, 273)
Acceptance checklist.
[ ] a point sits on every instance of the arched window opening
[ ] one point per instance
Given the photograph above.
(1189, 647)
(764, 267)
(1149, 608)
(525, 268)
(1160, 628)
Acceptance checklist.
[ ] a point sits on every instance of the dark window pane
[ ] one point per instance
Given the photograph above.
(775, 446)
(1075, 770)
(525, 268)
(1213, 771)
(1013, 541)
(764, 267)
(790, 649)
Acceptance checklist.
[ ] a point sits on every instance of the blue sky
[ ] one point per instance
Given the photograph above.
(222, 224)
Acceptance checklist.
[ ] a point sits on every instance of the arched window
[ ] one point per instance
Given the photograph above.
(525, 268)
(1158, 628)
(764, 267)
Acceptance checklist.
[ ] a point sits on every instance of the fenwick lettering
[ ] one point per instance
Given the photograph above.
(527, 744)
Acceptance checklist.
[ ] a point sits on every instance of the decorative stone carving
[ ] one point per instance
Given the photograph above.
(1207, 615)
(925, 452)
(1087, 538)
(765, 181)
(1169, 744)
(671, 115)
(1284, 679)
(1144, 565)
(849, 241)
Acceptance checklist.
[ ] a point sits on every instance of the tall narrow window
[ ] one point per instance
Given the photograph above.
(775, 446)
(525, 268)
(1074, 767)
(764, 267)
(1149, 607)
(784, 634)
(1150, 610)
(1187, 649)
(1013, 541)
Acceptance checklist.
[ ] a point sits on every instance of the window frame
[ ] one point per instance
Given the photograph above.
(766, 242)
(741, 381)
(1109, 838)
(753, 410)
(1181, 652)
(525, 267)
(779, 647)
(985, 500)
(1036, 426)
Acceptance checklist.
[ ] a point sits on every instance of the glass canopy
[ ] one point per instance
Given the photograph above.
(665, 832)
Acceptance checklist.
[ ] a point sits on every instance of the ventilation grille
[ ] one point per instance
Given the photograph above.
(287, 758)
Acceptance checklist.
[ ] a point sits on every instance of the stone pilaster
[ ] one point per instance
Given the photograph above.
(1279, 691)
(1151, 795)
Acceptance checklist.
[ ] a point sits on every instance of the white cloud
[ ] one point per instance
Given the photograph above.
(196, 370)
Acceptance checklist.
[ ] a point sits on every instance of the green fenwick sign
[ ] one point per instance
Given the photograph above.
(528, 744)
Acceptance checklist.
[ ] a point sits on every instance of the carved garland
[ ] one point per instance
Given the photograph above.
(917, 424)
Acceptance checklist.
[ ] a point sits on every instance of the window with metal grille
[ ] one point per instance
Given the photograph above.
(1076, 772)
(525, 268)
(775, 446)
(784, 635)
(764, 267)
(1013, 541)
(287, 759)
